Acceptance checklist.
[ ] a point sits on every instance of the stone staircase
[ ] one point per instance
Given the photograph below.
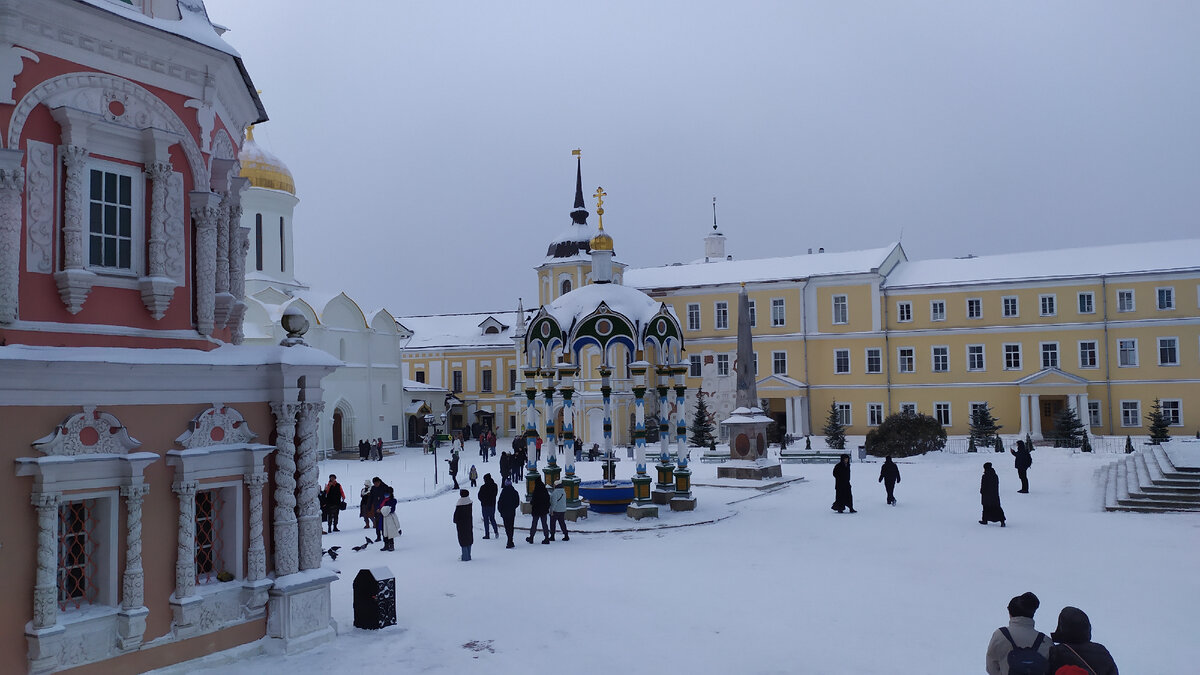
(1149, 480)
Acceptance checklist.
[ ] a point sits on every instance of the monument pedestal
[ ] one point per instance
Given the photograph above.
(748, 447)
(639, 511)
(298, 614)
(683, 504)
(575, 513)
(750, 470)
(662, 497)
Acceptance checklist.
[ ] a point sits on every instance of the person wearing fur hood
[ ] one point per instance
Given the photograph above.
(391, 523)
(462, 522)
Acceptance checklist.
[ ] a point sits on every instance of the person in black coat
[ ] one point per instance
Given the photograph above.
(889, 475)
(989, 496)
(505, 466)
(540, 508)
(462, 523)
(487, 504)
(379, 491)
(453, 461)
(1023, 461)
(842, 497)
(1073, 645)
(508, 503)
(363, 450)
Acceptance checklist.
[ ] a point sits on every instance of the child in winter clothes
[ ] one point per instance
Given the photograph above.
(391, 523)
(462, 522)
(473, 475)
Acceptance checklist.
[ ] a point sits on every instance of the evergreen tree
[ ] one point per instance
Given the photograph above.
(1128, 445)
(1068, 429)
(835, 431)
(983, 425)
(999, 445)
(701, 431)
(971, 445)
(1159, 432)
(906, 434)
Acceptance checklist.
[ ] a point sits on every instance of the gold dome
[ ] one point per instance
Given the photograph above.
(262, 168)
(602, 242)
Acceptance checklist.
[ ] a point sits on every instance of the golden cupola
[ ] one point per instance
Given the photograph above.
(262, 168)
(602, 241)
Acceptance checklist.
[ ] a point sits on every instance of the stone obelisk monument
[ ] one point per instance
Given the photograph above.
(747, 424)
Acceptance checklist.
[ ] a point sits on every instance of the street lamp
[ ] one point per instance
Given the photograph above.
(432, 421)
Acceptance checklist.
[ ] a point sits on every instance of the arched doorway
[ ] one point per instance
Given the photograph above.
(337, 430)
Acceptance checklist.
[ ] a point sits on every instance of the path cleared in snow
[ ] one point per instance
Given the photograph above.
(783, 586)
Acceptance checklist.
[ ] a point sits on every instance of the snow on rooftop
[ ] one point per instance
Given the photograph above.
(762, 269)
(573, 243)
(1157, 256)
(630, 302)
(225, 355)
(459, 330)
(193, 23)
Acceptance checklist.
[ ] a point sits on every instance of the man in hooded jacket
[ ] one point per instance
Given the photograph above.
(1020, 628)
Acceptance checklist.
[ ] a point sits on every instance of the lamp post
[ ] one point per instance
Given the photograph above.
(432, 421)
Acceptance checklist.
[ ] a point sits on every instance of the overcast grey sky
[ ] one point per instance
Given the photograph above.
(431, 141)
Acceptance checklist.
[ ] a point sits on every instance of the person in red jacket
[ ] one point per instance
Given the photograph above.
(335, 497)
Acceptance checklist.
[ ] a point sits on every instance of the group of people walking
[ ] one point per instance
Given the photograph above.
(889, 475)
(1020, 649)
(377, 508)
(547, 506)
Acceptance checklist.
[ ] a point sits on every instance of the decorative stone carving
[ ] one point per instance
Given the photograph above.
(45, 590)
(39, 207)
(204, 119)
(157, 288)
(88, 432)
(185, 560)
(91, 92)
(222, 146)
(224, 301)
(241, 246)
(219, 425)
(12, 183)
(285, 542)
(11, 65)
(174, 244)
(131, 621)
(256, 556)
(309, 505)
(205, 212)
(74, 282)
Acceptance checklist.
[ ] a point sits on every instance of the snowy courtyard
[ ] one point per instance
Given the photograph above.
(779, 584)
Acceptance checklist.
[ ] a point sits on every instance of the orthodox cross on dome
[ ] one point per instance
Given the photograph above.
(600, 195)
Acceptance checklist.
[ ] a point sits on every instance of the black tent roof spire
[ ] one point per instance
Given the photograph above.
(579, 214)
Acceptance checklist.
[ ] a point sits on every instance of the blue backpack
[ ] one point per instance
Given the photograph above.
(1026, 660)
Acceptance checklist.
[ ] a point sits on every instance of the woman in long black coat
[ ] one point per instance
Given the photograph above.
(989, 496)
(462, 522)
(842, 497)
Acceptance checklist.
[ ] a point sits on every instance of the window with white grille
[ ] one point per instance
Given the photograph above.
(906, 360)
(975, 358)
(903, 311)
(874, 360)
(941, 359)
(841, 361)
(722, 315)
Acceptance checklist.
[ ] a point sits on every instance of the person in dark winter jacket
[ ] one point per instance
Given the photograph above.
(364, 450)
(1020, 632)
(1073, 645)
(473, 476)
(842, 497)
(453, 461)
(1023, 461)
(540, 508)
(989, 496)
(462, 522)
(335, 497)
(379, 491)
(558, 510)
(487, 504)
(508, 503)
(889, 475)
(505, 466)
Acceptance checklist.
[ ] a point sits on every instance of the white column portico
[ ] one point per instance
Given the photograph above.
(1084, 414)
(1035, 411)
(1024, 415)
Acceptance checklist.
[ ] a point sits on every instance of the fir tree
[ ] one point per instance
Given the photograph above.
(906, 434)
(835, 431)
(983, 425)
(1068, 429)
(1128, 445)
(1159, 424)
(701, 431)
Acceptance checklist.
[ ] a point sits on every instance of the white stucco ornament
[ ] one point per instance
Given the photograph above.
(219, 425)
(87, 433)
(11, 64)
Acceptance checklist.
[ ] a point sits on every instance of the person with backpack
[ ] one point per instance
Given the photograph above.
(507, 504)
(889, 475)
(1024, 460)
(487, 505)
(539, 507)
(1019, 648)
(1074, 651)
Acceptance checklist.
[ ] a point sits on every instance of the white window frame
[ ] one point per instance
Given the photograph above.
(845, 309)
(875, 414)
(1158, 298)
(1136, 417)
(1056, 351)
(978, 305)
(722, 365)
(1016, 304)
(1095, 354)
(1091, 302)
(106, 513)
(1020, 357)
(1050, 299)
(912, 358)
(233, 559)
(838, 356)
(972, 406)
(137, 230)
(1160, 351)
(1173, 420)
(937, 310)
(1122, 293)
(1095, 414)
(1121, 353)
(845, 413)
(776, 358)
(753, 307)
(982, 358)
(695, 365)
(949, 413)
(903, 310)
(909, 405)
(721, 315)
(693, 312)
(933, 358)
(779, 304)
(867, 360)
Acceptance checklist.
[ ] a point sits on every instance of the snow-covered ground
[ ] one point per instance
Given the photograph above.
(784, 586)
